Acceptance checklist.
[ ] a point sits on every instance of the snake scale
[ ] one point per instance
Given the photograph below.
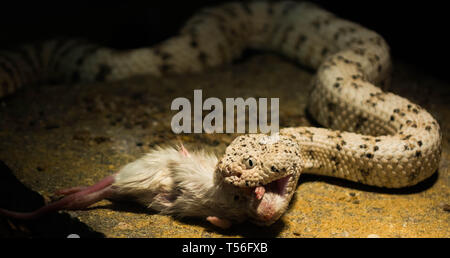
(375, 137)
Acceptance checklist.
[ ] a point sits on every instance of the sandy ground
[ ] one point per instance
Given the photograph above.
(57, 136)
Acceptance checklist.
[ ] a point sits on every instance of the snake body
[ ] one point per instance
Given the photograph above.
(375, 137)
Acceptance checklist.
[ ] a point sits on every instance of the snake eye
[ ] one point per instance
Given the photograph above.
(250, 163)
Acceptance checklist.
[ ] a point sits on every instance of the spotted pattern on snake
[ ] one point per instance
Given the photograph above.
(375, 137)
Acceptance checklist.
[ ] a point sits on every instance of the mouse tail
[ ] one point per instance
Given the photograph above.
(76, 198)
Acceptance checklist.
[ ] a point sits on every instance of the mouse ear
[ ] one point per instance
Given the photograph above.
(162, 201)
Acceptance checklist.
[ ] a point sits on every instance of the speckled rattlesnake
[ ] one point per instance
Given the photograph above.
(384, 140)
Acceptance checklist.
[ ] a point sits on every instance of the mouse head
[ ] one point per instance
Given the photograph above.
(268, 167)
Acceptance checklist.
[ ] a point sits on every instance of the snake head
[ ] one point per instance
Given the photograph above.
(268, 166)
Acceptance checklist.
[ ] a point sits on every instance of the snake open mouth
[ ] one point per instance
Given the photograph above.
(272, 199)
(279, 187)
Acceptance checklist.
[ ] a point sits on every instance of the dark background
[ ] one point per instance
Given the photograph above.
(417, 31)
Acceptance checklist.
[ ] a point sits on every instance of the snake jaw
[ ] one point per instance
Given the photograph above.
(270, 200)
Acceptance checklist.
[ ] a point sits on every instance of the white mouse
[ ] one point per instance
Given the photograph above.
(170, 181)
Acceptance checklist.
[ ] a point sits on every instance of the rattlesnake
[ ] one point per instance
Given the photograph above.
(376, 137)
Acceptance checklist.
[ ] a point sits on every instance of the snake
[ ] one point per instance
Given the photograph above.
(369, 135)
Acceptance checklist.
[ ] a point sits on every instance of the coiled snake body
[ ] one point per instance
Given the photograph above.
(376, 137)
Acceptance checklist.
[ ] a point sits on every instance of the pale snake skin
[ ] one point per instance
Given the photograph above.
(396, 143)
